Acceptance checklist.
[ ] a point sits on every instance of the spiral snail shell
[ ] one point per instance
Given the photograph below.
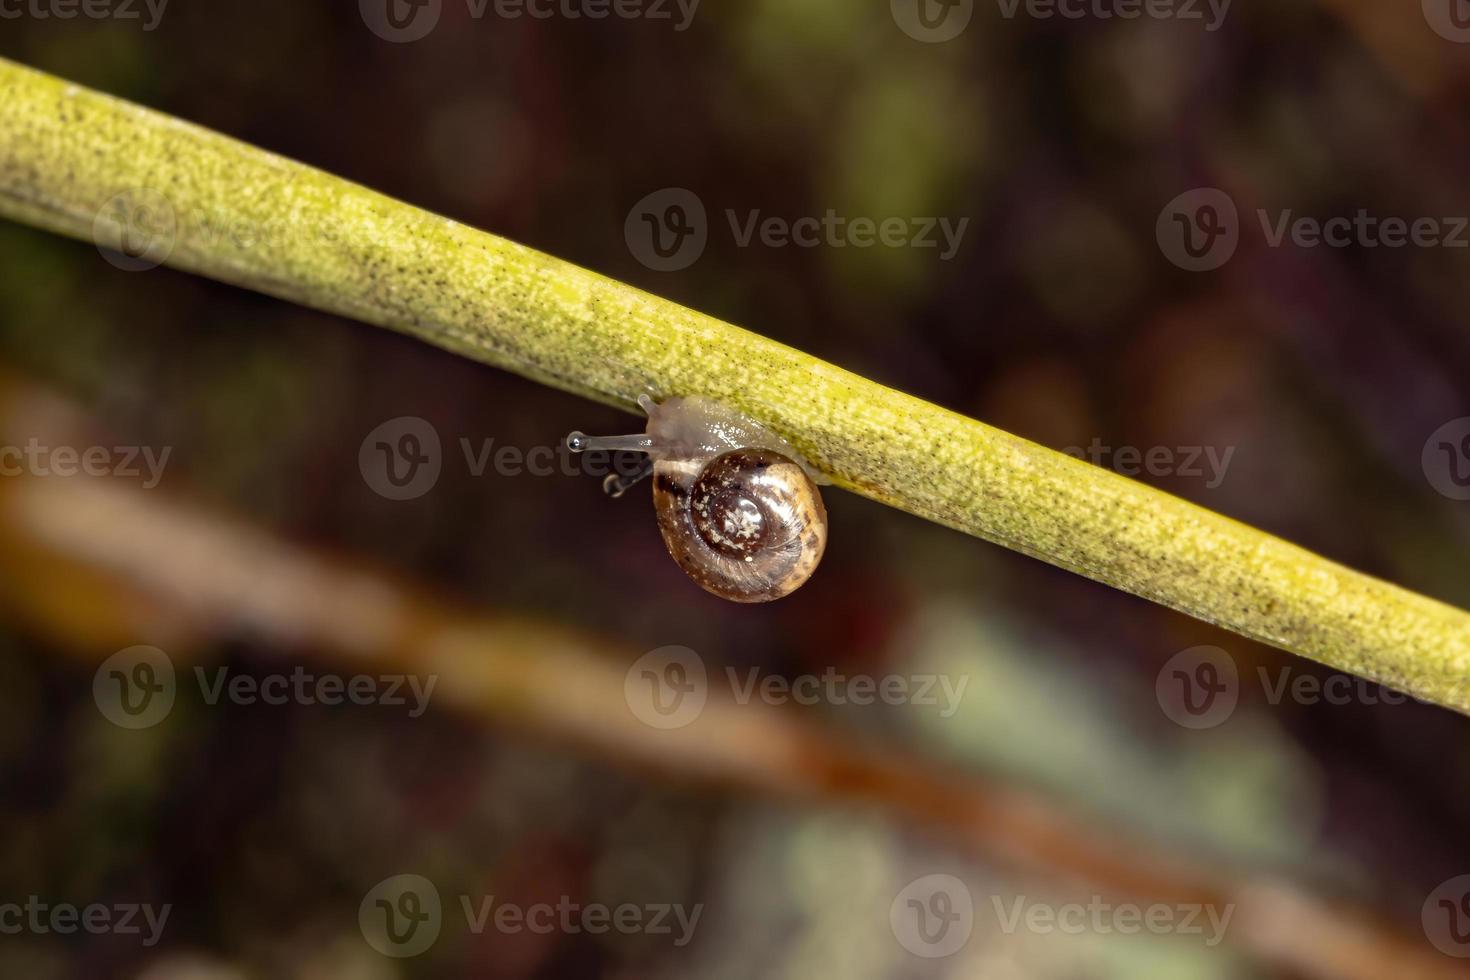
(737, 507)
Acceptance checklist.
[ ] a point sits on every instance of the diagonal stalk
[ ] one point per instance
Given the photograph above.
(221, 208)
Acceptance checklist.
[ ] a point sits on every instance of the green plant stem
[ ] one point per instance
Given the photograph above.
(248, 217)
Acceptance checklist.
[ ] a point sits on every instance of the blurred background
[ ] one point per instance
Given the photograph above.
(1301, 388)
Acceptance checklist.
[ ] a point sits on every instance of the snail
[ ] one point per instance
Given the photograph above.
(738, 508)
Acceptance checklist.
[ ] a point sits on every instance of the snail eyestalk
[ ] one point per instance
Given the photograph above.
(617, 484)
(580, 442)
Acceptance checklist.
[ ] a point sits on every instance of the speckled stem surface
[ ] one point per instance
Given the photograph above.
(227, 210)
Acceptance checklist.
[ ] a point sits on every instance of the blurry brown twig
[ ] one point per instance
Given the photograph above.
(99, 565)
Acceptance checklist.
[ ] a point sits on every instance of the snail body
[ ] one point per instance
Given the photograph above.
(737, 507)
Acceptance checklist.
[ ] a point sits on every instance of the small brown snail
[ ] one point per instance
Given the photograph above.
(738, 508)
